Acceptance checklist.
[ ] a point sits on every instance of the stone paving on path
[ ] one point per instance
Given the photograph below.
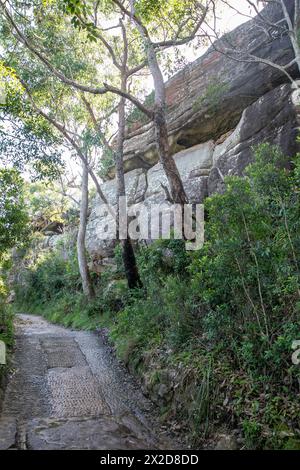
(68, 391)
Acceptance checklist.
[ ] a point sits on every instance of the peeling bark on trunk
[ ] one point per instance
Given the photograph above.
(176, 186)
(81, 251)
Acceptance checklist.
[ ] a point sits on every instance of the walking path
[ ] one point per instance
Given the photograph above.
(68, 391)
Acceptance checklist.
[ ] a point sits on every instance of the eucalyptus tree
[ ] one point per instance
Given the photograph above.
(72, 142)
(116, 39)
(53, 106)
(158, 25)
(26, 144)
(161, 25)
(87, 284)
(77, 141)
(46, 32)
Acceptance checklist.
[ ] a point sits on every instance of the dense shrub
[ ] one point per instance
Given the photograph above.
(223, 318)
(48, 277)
(236, 301)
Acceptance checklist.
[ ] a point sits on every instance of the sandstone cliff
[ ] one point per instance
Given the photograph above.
(217, 110)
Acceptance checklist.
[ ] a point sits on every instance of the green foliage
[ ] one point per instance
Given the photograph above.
(51, 285)
(27, 142)
(160, 313)
(163, 257)
(46, 201)
(221, 320)
(13, 216)
(148, 9)
(252, 431)
(107, 163)
(176, 11)
(26, 149)
(213, 95)
(50, 275)
(9, 84)
(80, 9)
(237, 300)
(137, 116)
(6, 324)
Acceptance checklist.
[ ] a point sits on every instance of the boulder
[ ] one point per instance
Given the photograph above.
(272, 118)
(101, 226)
(193, 165)
(11, 297)
(54, 227)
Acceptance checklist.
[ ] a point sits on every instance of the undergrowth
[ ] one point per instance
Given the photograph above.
(211, 333)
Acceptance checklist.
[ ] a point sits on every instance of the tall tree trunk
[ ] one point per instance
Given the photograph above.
(176, 186)
(161, 130)
(81, 251)
(129, 260)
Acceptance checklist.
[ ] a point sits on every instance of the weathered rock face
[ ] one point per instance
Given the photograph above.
(97, 245)
(194, 165)
(207, 98)
(272, 118)
(218, 110)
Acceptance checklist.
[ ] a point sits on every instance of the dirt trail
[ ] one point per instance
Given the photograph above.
(67, 391)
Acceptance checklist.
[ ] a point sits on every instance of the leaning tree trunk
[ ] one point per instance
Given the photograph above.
(176, 186)
(81, 250)
(129, 260)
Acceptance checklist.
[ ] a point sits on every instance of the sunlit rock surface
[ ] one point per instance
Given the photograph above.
(218, 111)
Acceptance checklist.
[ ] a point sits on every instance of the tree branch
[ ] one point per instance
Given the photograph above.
(131, 98)
(93, 90)
(73, 143)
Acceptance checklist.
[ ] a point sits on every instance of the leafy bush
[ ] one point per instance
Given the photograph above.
(236, 300)
(223, 319)
(51, 286)
(163, 257)
(48, 277)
